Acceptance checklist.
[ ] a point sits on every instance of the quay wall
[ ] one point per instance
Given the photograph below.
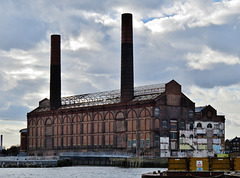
(132, 162)
(29, 161)
(54, 161)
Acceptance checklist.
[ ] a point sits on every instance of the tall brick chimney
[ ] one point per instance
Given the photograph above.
(55, 72)
(127, 86)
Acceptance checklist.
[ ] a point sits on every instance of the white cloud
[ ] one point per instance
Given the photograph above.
(193, 14)
(208, 57)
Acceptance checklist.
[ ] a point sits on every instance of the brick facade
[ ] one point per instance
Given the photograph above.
(123, 127)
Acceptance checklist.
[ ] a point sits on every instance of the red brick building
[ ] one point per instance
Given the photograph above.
(131, 120)
(23, 141)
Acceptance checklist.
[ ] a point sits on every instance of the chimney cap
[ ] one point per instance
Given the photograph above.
(55, 35)
(127, 13)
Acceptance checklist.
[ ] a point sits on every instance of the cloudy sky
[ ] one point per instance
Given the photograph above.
(195, 42)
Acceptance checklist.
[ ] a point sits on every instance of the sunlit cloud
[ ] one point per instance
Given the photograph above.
(208, 58)
(193, 14)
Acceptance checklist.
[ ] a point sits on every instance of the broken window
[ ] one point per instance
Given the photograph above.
(165, 135)
(173, 125)
(173, 135)
(190, 113)
(190, 125)
(156, 112)
(182, 125)
(129, 143)
(199, 125)
(157, 139)
(164, 124)
(209, 125)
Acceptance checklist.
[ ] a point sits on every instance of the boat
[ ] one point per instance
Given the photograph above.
(199, 167)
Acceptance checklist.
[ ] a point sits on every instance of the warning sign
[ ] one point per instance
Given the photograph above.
(199, 165)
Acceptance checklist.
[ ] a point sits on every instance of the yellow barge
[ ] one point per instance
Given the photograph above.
(199, 167)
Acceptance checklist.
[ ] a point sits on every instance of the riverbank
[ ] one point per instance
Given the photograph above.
(29, 161)
(60, 161)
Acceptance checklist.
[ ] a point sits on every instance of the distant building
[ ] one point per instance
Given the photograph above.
(23, 141)
(152, 120)
(232, 146)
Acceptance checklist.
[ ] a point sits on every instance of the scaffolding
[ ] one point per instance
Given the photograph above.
(146, 92)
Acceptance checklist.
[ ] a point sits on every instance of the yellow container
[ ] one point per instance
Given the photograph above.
(236, 164)
(220, 164)
(177, 164)
(199, 164)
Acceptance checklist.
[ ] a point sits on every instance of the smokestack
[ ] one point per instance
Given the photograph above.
(1, 142)
(55, 72)
(127, 88)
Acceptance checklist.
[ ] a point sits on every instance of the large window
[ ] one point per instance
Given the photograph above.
(182, 136)
(134, 143)
(216, 126)
(191, 113)
(141, 143)
(164, 135)
(182, 125)
(173, 125)
(129, 143)
(191, 125)
(164, 124)
(199, 125)
(157, 139)
(156, 112)
(173, 135)
(209, 125)
(148, 143)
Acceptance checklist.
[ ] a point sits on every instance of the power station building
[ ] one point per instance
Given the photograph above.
(153, 120)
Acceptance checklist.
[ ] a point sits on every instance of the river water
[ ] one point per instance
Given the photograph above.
(76, 172)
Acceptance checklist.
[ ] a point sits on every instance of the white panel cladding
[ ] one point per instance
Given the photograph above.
(202, 141)
(217, 141)
(200, 131)
(164, 147)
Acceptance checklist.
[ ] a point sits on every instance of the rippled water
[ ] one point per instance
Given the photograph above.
(76, 171)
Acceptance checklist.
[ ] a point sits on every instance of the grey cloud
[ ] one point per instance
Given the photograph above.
(19, 29)
(222, 75)
(14, 112)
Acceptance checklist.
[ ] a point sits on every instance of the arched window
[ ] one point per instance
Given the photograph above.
(199, 125)
(157, 140)
(191, 136)
(165, 135)
(190, 125)
(209, 125)
(191, 113)
(183, 136)
(164, 124)
(173, 124)
(156, 112)
(156, 124)
(182, 125)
